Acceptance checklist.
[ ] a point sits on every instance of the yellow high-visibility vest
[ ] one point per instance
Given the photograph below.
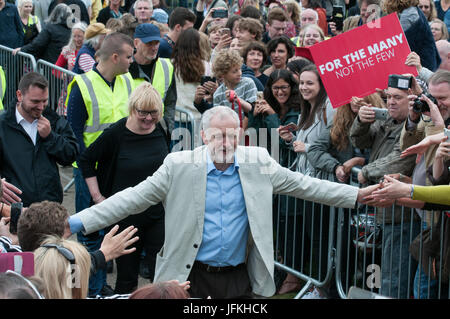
(103, 105)
(161, 79)
(2, 86)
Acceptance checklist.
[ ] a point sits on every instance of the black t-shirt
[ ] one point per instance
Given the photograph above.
(139, 157)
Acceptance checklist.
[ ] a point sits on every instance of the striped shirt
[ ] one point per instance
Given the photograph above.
(245, 90)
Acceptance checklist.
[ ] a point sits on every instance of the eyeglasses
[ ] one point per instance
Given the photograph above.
(29, 283)
(283, 88)
(63, 251)
(423, 7)
(143, 113)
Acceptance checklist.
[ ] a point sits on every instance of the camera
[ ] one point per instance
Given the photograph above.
(420, 106)
(399, 81)
(206, 78)
(380, 114)
(220, 13)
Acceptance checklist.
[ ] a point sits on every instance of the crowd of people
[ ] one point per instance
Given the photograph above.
(199, 223)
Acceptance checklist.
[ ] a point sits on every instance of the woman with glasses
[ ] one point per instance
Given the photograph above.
(439, 30)
(125, 154)
(429, 9)
(278, 106)
(63, 265)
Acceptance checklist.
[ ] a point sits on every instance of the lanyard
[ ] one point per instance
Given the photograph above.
(232, 99)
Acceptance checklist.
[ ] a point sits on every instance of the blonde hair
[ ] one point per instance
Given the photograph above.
(225, 60)
(20, 4)
(146, 98)
(311, 26)
(205, 47)
(56, 271)
(444, 31)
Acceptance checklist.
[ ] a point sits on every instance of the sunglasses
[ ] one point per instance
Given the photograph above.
(29, 283)
(63, 251)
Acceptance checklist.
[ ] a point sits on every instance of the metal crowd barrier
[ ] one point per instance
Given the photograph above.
(339, 249)
(58, 79)
(185, 135)
(14, 66)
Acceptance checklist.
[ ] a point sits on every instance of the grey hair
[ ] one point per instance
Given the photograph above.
(62, 14)
(221, 111)
(314, 11)
(94, 41)
(80, 26)
(150, 2)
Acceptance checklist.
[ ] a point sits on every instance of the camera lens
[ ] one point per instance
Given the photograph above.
(418, 106)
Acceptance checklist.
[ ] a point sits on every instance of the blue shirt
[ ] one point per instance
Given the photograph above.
(225, 229)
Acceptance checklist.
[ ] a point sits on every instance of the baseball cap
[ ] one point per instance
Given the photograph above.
(147, 32)
(95, 29)
(159, 15)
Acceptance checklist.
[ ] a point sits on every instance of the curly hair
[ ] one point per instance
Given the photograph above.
(224, 61)
(39, 220)
(187, 61)
(390, 6)
(251, 25)
(273, 44)
(344, 118)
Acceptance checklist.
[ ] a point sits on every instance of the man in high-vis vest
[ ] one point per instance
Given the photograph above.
(96, 100)
(2, 87)
(148, 66)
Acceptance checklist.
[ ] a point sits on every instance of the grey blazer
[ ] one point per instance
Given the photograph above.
(180, 184)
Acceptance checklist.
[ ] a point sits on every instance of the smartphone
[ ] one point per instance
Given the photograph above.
(16, 210)
(220, 13)
(226, 31)
(206, 78)
(291, 127)
(380, 114)
(447, 133)
(338, 17)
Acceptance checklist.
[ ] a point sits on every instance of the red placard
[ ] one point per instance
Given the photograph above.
(357, 62)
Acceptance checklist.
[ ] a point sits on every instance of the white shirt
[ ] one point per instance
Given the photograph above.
(30, 128)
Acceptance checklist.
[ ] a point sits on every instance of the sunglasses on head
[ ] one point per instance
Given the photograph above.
(63, 251)
(66, 253)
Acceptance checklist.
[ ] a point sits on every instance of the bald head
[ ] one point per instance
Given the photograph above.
(443, 47)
